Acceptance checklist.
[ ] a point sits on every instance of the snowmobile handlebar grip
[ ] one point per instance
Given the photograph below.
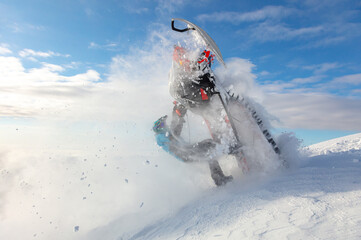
(180, 30)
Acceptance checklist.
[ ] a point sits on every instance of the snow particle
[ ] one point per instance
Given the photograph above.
(76, 228)
(126, 180)
(141, 205)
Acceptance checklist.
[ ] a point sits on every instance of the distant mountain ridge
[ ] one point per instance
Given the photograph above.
(342, 144)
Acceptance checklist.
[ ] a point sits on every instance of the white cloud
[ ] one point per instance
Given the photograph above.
(268, 12)
(90, 76)
(135, 84)
(316, 84)
(25, 92)
(264, 73)
(312, 107)
(322, 68)
(270, 31)
(268, 23)
(4, 49)
(108, 46)
(53, 67)
(277, 86)
(20, 27)
(327, 41)
(93, 45)
(141, 10)
(9, 65)
(335, 32)
(307, 80)
(31, 53)
(294, 85)
(353, 79)
(315, 111)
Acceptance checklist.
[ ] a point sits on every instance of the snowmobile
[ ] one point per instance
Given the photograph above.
(232, 120)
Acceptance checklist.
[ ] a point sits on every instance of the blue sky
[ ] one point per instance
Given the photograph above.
(305, 54)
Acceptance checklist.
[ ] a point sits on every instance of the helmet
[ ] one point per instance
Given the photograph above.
(160, 125)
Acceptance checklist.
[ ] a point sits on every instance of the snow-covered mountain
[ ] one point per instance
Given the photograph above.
(321, 199)
(342, 144)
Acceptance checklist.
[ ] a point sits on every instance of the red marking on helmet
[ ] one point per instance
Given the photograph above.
(178, 112)
(204, 94)
(207, 53)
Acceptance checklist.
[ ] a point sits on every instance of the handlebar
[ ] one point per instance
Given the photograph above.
(180, 30)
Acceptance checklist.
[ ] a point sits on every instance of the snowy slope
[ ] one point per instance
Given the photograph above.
(342, 144)
(319, 200)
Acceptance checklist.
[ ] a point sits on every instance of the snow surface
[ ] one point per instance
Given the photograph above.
(321, 199)
(95, 193)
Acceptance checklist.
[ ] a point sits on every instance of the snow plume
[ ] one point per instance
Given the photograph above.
(82, 162)
(85, 155)
(239, 79)
(290, 146)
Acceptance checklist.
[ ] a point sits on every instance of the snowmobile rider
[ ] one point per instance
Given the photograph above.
(170, 140)
(192, 84)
